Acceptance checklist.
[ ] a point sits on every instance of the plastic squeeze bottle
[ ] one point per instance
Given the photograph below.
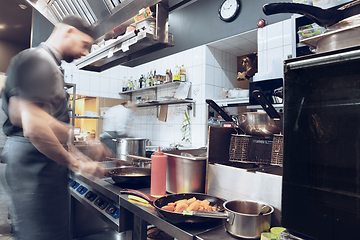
(158, 174)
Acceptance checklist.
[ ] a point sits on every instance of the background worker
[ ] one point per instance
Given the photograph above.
(117, 123)
(37, 151)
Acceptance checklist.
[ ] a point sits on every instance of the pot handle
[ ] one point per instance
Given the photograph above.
(322, 17)
(137, 193)
(220, 215)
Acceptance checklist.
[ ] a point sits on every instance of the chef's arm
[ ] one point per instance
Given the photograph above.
(48, 135)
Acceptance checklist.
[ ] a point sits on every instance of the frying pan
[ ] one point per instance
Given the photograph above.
(252, 123)
(178, 218)
(323, 17)
(131, 176)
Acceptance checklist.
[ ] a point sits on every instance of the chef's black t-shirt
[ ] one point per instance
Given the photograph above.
(34, 75)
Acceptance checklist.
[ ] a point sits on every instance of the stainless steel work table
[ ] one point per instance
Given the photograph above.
(144, 215)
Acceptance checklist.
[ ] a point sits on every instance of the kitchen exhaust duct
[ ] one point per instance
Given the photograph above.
(108, 15)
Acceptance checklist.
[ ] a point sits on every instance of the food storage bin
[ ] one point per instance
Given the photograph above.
(186, 171)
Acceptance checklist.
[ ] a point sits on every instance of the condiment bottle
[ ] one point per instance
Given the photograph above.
(158, 174)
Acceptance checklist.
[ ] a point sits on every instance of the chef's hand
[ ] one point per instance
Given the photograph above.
(93, 168)
(98, 151)
(83, 164)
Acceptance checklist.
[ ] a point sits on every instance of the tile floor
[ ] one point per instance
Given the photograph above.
(5, 230)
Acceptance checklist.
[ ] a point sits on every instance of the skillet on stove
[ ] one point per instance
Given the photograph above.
(178, 218)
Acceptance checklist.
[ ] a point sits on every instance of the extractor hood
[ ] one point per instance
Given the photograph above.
(107, 15)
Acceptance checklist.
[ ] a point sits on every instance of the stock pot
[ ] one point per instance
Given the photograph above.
(130, 146)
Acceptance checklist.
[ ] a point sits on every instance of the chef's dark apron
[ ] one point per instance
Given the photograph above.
(39, 192)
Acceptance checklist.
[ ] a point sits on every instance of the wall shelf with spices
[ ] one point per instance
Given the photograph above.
(164, 100)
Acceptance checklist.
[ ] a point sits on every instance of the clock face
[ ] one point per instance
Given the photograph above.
(229, 9)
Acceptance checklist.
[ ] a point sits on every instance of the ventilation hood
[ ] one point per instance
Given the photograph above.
(109, 15)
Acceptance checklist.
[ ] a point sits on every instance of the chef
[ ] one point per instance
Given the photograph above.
(37, 151)
(117, 124)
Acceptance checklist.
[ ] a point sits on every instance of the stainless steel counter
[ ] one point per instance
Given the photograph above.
(136, 216)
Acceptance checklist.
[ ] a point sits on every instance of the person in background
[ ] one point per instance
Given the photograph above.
(117, 122)
(37, 151)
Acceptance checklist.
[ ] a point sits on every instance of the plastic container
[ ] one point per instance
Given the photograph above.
(158, 174)
(309, 2)
(310, 30)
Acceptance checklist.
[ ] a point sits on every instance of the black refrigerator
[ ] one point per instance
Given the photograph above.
(321, 165)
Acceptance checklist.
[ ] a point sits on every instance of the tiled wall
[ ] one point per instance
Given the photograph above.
(208, 69)
(275, 44)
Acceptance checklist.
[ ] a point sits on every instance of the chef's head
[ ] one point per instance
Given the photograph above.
(72, 37)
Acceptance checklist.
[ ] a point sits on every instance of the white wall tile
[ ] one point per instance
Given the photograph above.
(210, 75)
(105, 85)
(287, 32)
(275, 61)
(218, 58)
(275, 35)
(210, 55)
(262, 39)
(188, 59)
(199, 55)
(262, 61)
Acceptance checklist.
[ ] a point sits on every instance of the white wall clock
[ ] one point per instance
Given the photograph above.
(229, 10)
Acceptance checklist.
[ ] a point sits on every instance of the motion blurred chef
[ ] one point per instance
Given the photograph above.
(37, 152)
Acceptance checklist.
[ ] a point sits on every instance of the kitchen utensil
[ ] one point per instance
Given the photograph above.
(130, 146)
(268, 108)
(131, 176)
(178, 218)
(252, 123)
(277, 150)
(242, 217)
(323, 17)
(239, 148)
(121, 162)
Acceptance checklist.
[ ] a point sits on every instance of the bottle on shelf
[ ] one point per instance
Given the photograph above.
(124, 85)
(167, 76)
(148, 80)
(151, 78)
(170, 76)
(142, 81)
(131, 84)
(182, 74)
(176, 76)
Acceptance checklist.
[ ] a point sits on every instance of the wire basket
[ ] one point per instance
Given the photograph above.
(260, 150)
(277, 150)
(239, 148)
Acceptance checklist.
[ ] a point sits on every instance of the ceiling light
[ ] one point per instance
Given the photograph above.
(22, 6)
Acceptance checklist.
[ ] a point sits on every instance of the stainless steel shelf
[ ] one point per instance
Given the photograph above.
(158, 103)
(88, 117)
(232, 101)
(152, 87)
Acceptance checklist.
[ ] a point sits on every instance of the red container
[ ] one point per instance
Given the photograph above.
(158, 174)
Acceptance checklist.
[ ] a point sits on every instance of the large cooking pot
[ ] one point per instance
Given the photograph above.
(130, 146)
(343, 26)
(252, 123)
(244, 219)
(178, 218)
